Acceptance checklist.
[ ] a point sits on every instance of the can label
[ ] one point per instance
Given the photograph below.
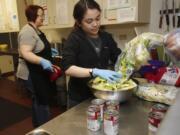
(152, 130)
(93, 118)
(154, 120)
(101, 104)
(111, 122)
(159, 108)
(112, 104)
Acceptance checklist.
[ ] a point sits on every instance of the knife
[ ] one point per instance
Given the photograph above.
(167, 15)
(161, 15)
(178, 15)
(174, 14)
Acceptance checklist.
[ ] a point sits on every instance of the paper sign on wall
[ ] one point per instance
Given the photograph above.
(126, 14)
(62, 14)
(113, 4)
(111, 14)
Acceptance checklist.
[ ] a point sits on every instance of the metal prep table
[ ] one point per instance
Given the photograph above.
(133, 119)
(170, 124)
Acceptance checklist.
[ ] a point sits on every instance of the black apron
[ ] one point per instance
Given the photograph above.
(43, 88)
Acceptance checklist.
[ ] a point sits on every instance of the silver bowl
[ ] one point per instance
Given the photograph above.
(39, 132)
(121, 95)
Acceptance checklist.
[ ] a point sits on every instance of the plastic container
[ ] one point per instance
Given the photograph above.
(57, 72)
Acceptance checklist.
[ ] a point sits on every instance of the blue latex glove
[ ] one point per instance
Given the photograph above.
(54, 52)
(108, 75)
(46, 64)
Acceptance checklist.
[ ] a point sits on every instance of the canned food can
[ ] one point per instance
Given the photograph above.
(162, 108)
(93, 118)
(111, 122)
(112, 104)
(101, 104)
(154, 120)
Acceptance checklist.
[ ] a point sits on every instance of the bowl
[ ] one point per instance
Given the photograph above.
(121, 95)
(3, 47)
(39, 132)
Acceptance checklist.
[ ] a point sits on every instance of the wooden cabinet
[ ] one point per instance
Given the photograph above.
(58, 13)
(13, 16)
(125, 11)
(6, 63)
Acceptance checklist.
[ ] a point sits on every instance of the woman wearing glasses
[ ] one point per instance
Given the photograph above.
(35, 64)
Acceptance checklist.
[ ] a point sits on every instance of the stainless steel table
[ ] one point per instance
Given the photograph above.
(170, 124)
(133, 120)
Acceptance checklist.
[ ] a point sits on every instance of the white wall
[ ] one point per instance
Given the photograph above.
(124, 33)
(153, 26)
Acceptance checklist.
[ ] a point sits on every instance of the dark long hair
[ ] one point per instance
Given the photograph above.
(80, 9)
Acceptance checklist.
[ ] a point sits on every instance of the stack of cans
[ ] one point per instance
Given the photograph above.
(104, 115)
(155, 117)
(93, 118)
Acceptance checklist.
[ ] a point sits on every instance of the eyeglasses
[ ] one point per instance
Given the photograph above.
(42, 16)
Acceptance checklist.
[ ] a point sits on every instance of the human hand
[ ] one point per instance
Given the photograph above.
(54, 52)
(109, 75)
(172, 44)
(46, 64)
(57, 72)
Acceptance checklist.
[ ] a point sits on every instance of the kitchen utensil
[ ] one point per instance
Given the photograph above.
(178, 15)
(121, 95)
(161, 15)
(174, 14)
(167, 15)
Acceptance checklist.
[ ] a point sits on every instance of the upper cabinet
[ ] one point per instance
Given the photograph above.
(13, 16)
(125, 11)
(58, 13)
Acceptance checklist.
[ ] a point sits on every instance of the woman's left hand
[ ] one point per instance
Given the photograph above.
(54, 52)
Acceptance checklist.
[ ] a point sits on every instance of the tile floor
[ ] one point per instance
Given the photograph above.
(10, 91)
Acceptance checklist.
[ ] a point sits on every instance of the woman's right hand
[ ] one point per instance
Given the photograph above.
(108, 75)
(172, 44)
(46, 64)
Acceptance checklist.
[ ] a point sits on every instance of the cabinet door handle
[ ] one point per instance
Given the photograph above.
(54, 20)
(49, 20)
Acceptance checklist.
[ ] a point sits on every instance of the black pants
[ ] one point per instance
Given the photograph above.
(40, 113)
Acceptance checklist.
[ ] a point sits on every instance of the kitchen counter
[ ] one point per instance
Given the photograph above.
(170, 124)
(133, 119)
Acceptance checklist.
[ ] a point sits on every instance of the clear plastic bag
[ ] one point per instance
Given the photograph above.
(172, 45)
(136, 52)
(157, 93)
